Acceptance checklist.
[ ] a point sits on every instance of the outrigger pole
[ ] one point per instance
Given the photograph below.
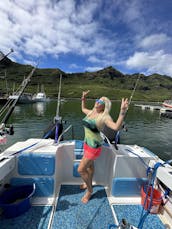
(10, 105)
(23, 86)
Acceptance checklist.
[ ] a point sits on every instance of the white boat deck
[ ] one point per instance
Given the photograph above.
(58, 195)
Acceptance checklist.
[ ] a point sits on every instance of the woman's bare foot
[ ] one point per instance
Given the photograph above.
(83, 186)
(86, 197)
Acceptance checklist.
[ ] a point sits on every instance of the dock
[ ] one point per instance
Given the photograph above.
(148, 107)
(164, 111)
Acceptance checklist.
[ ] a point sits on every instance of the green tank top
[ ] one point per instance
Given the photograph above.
(92, 134)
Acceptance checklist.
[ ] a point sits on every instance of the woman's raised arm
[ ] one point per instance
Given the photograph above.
(83, 103)
(118, 124)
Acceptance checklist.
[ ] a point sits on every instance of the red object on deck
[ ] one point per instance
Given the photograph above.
(156, 199)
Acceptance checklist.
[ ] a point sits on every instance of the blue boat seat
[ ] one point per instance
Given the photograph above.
(127, 187)
(78, 151)
(36, 164)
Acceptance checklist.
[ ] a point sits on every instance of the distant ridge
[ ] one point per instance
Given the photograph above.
(107, 72)
(108, 80)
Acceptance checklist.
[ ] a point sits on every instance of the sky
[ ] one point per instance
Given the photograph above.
(89, 35)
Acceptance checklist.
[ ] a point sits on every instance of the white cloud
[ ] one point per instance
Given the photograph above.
(154, 40)
(158, 61)
(133, 11)
(106, 61)
(40, 27)
(74, 66)
(101, 32)
(93, 69)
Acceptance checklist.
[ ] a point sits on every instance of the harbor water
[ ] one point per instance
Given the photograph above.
(142, 127)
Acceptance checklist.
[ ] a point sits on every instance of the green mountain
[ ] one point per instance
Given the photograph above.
(108, 82)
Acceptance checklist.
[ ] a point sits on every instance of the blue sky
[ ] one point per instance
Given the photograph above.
(88, 35)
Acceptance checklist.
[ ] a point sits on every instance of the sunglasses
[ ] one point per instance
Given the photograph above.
(100, 101)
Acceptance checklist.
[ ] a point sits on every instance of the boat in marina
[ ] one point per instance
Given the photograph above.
(120, 186)
(25, 98)
(166, 109)
(166, 112)
(167, 103)
(40, 185)
(40, 96)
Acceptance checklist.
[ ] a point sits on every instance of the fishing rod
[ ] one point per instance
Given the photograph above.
(57, 118)
(131, 97)
(4, 56)
(58, 100)
(134, 89)
(10, 105)
(23, 86)
(56, 127)
(114, 136)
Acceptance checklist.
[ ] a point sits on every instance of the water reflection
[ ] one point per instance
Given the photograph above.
(39, 108)
(145, 128)
(17, 110)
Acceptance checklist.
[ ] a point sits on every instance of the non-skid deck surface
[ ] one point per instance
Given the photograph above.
(71, 213)
(36, 218)
(132, 214)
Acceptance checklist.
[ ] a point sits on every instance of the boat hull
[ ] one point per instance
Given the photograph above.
(119, 176)
(24, 98)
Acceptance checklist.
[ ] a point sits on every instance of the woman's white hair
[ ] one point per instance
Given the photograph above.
(101, 118)
(100, 121)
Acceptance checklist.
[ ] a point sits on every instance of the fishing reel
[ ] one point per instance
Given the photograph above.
(55, 128)
(124, 127)
(58, 119)
(6, 129)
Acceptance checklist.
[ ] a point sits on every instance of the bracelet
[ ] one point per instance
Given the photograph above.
(122, 113)
(83, 98)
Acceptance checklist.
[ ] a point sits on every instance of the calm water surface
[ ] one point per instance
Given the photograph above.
(145, 127)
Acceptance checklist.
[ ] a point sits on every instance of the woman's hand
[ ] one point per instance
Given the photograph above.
(124, 105)
(84, 93)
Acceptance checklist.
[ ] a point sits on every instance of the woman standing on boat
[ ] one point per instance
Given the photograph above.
(93, 123)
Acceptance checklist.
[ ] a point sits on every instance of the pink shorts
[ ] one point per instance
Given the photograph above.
(91, 153)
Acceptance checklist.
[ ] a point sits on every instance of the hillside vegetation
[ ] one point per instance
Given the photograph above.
(108, 82)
